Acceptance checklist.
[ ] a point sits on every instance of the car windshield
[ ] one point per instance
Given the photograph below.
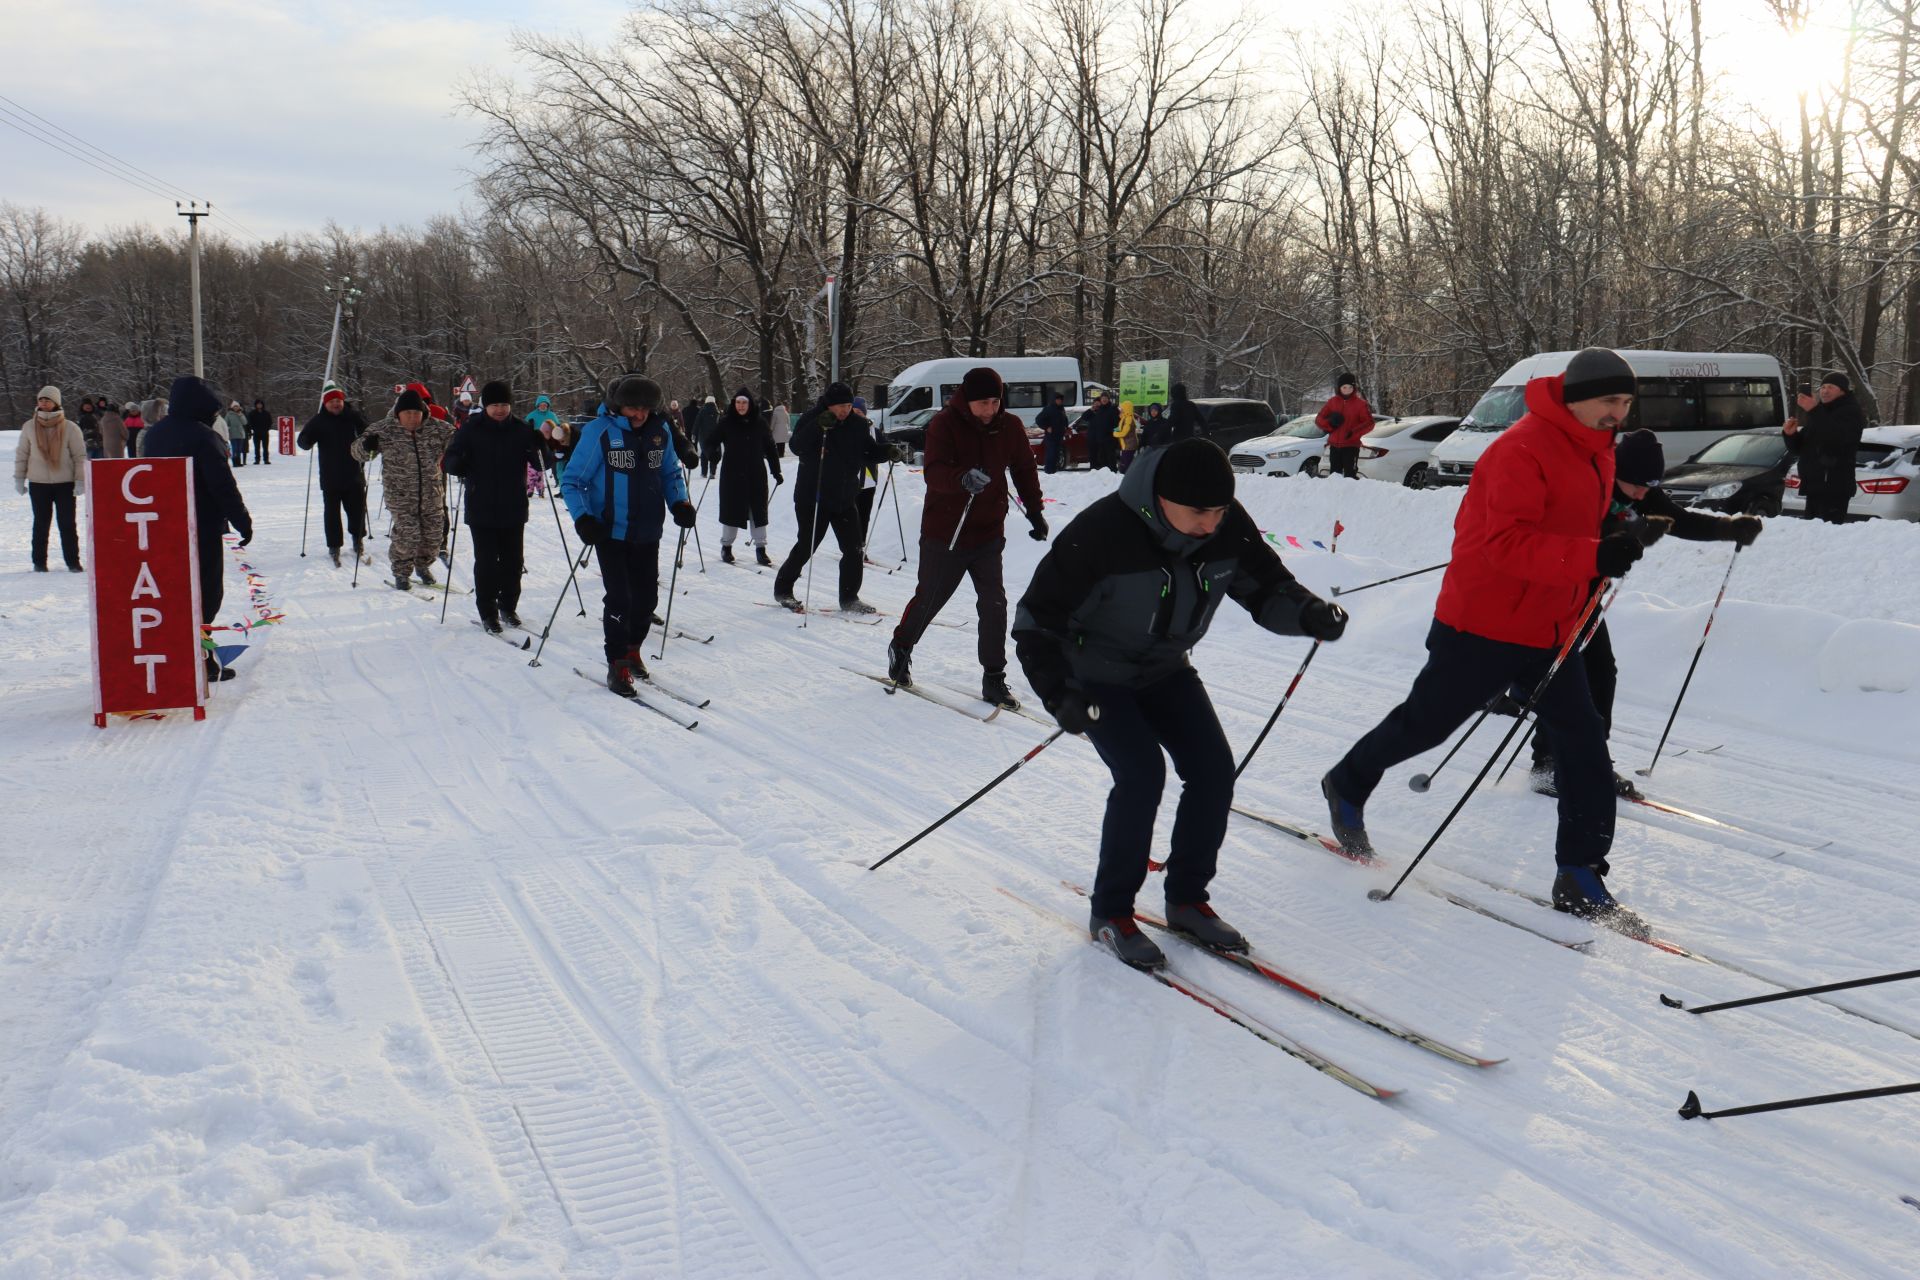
(1759, 450)
(1304, 429)
(1497, 410)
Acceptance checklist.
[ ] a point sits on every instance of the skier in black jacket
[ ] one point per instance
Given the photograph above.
(343, 482)
(1131, 586)
(491, 451)
(834, 445)
(259, 428)
(1828, 443)
(1639, 462)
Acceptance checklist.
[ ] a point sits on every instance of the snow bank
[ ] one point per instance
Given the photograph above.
(1872, 656)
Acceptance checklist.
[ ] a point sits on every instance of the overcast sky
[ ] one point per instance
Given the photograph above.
(285, 119)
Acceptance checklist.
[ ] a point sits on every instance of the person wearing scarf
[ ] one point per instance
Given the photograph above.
(50, 466)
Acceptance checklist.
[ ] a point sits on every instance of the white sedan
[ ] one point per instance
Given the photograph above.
(1886, 479)
(1398, 449)
(1299, 448)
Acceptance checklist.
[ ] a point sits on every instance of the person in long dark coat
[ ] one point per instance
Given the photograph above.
(744, 450)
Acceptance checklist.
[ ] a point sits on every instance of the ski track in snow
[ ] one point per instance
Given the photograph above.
(417, 960)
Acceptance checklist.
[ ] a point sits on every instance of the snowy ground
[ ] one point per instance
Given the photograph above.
(414, 960)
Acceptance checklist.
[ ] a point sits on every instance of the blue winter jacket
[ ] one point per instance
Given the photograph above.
(625, 476)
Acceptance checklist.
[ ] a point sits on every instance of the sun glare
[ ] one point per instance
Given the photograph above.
(1763, 67)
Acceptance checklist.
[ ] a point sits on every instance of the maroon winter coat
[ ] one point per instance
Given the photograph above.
(957, 442)
(1356, 419)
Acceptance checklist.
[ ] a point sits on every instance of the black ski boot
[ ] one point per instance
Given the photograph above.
(335, 553)
(856, 605)
(634, 663)
(1122, 936)
(217, 672)
(1349, 823)
(1540, 778)
(512, 619)
(620, 679)
(726, 553)
(401, 582)
(492, 624)
(787, 600)
(1199, 921)
(426, 575)
(761, 557)
(900, 664)
(993, 688)
(1624, 788)
(1580, 891)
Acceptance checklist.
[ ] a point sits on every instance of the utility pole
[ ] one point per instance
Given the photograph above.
(193, 213)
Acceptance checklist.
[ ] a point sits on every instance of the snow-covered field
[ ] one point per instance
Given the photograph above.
(414, 960)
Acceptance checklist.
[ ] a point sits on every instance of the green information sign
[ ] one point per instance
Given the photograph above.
(1145, 382)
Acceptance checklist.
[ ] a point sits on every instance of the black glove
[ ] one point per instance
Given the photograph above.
(1746, 529)
(1646, 530)
(778, 479)
(1039, 523)
(590, 529)
(370, 445)
(683, 514)
(975, 481)
(1616, 554)
(1323, 620)
(245, 531)
(900, 453)
(1336, 419)
(1073, 712)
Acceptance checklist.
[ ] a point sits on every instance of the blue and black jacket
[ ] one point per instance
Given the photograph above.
(625, 476)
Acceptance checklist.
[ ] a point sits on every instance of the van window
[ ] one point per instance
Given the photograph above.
(1497, 410)
(912, 399)
(1036, 395)
(1667, 404)
(1732, 405)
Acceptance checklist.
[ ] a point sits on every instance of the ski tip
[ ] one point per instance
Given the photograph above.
(1670, 1002)
(1488, 1062)
(1690, 1109)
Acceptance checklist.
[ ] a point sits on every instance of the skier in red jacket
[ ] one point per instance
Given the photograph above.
(1527, 549)
(972, 446)
(1346, 418)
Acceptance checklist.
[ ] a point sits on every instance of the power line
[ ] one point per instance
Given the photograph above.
(178, 192)
(83, 158)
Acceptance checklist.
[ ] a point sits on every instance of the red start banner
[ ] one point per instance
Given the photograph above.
(285, 423)
(146, 587)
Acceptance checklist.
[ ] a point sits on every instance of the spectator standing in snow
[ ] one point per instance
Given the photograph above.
(744, 453)
(343, 481)
(1054, 430)
(1102, 425)
(134, 421)
(89, 427)
(411, 443)
(50, 468)
(1126, 436)
(1639, 462)
(1527, 547)
(1156, 429)
(113, 431)
(1184, 415)
(1170, 546)
(704, 426)
(151, 411)
(782, 424)
(834, 446)
(492, 451)
(1345, 418)
(621, 482)
(259, 430)
(972, 446)
(236, 421)
(186, 432)
(1827, 442)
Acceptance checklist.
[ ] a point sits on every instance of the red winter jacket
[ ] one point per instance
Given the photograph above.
(1356, 419)
(1524, 541)
(957, 442)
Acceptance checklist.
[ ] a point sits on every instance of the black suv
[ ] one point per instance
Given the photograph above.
(1229, 421)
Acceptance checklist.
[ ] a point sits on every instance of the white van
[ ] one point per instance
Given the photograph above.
(1689, 398)
(1032, 382)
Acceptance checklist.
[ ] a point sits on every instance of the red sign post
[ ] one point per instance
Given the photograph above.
(285, 423)
(146, 587)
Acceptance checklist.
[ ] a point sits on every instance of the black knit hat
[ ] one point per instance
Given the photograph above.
(981, 383)
(1638, 458)
(838, 393)
(1839, 380)
(1598, 372)
(408, 399)
(496, 392)
(1194, 473)
(634, 392)
(1346, 380)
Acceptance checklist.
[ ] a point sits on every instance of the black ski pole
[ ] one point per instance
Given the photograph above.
(306, 506)
(957, 810)
(572, 578)
(566, 550)
(954, 541)
(1647, 772)
(1690, 1109)
(1849, 985)
(1532, 728)
(453, 546)
(879, 505)
(1593, 603)
(1291, 686)
(900, 526)
(1518, 747)
(359, 541)
(673, 581)
(1347, 591)
(813, 528)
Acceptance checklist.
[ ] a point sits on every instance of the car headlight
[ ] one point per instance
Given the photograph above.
(1720, 491)
(1283, 453)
